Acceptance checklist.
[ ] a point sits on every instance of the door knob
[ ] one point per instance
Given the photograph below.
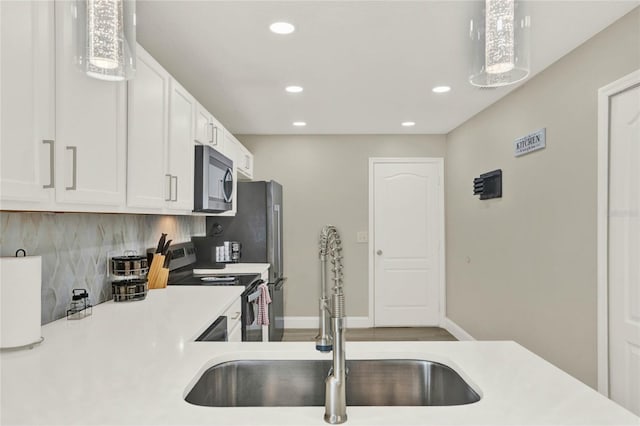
(379, 252)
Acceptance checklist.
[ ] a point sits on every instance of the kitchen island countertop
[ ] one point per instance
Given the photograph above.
(133, 363)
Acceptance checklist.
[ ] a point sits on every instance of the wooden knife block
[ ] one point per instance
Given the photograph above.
(158, 274)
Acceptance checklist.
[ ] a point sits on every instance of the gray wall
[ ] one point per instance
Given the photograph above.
(523, 267)
(75, 248)
(325, 180)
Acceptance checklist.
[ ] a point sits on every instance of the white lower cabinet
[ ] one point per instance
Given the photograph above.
(234, 318)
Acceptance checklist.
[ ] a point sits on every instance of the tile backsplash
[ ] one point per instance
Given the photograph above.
(75, 248)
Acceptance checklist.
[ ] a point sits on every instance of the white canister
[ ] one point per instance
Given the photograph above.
(20, 302)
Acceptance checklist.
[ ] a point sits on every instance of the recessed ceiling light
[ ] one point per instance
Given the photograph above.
(299, 123)
(293, 89)
(282, 28)
(441, 89)
(408, 123)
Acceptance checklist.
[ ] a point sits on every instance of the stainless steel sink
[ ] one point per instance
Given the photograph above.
(296, 383)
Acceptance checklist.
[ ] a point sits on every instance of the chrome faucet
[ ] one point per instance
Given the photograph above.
(336, 395)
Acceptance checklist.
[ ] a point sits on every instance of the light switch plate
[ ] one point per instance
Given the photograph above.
(363, 237)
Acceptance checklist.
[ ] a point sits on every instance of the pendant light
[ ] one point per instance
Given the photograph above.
(499, 35)
(106, 38)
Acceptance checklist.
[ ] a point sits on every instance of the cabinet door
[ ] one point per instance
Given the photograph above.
(209, 131)
(90, 126)
(235, 335)
(204, 126)
(181, 152)
(245, 162)
(233, 314)
(217, 137)
(148, 181)
(27, 108)
(248, 163)
(242, 158)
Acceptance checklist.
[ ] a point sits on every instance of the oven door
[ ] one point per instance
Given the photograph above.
(251, 332)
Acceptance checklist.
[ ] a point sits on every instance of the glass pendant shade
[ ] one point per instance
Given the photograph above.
(106, 38)
(499, 34)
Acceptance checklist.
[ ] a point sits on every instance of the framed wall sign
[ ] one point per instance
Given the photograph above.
(531, 142)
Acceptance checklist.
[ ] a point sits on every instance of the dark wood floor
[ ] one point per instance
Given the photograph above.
(374, 334)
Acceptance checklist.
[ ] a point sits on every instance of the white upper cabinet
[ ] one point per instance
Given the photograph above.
(148, 183)
(182, 109)
(242, 157)
(27, 138)
(203, 126)
(160, 148)
(90, 127)
(209, 131)
(245, 162)
(69, 142)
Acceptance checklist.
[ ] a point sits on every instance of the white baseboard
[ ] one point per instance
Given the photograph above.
(313, 322)
(457, 331)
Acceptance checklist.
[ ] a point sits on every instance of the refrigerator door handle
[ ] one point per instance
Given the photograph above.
(280, 284)
(278, 233)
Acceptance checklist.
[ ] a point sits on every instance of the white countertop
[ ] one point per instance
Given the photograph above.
(237, 268)
(133, 363)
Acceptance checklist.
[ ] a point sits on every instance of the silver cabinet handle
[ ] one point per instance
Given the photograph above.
(236, 316)
(175, 193)
(74, 179)
(247, 162)
(169, 176)
(379, 252)
(52, 173)
(212, 126)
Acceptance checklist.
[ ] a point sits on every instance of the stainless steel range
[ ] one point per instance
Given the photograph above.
(185, 270)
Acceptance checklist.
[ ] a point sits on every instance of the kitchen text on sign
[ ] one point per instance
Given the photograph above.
(531, 142)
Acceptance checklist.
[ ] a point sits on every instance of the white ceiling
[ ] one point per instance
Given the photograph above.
(366, 66)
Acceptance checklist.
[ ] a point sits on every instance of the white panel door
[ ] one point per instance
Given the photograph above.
(181, 148)
(91, 133)
(407, 236)
(624, 249)
(27, 86)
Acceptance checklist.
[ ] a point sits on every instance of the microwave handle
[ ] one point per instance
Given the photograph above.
(227, 197)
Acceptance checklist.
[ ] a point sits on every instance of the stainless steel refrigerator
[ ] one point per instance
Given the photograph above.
(257, 225)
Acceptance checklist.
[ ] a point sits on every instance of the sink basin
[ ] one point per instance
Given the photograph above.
(296, 383)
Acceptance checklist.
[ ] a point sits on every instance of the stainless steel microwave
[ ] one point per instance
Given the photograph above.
(213, 185)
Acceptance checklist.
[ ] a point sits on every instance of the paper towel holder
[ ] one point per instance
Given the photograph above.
(24, 332)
